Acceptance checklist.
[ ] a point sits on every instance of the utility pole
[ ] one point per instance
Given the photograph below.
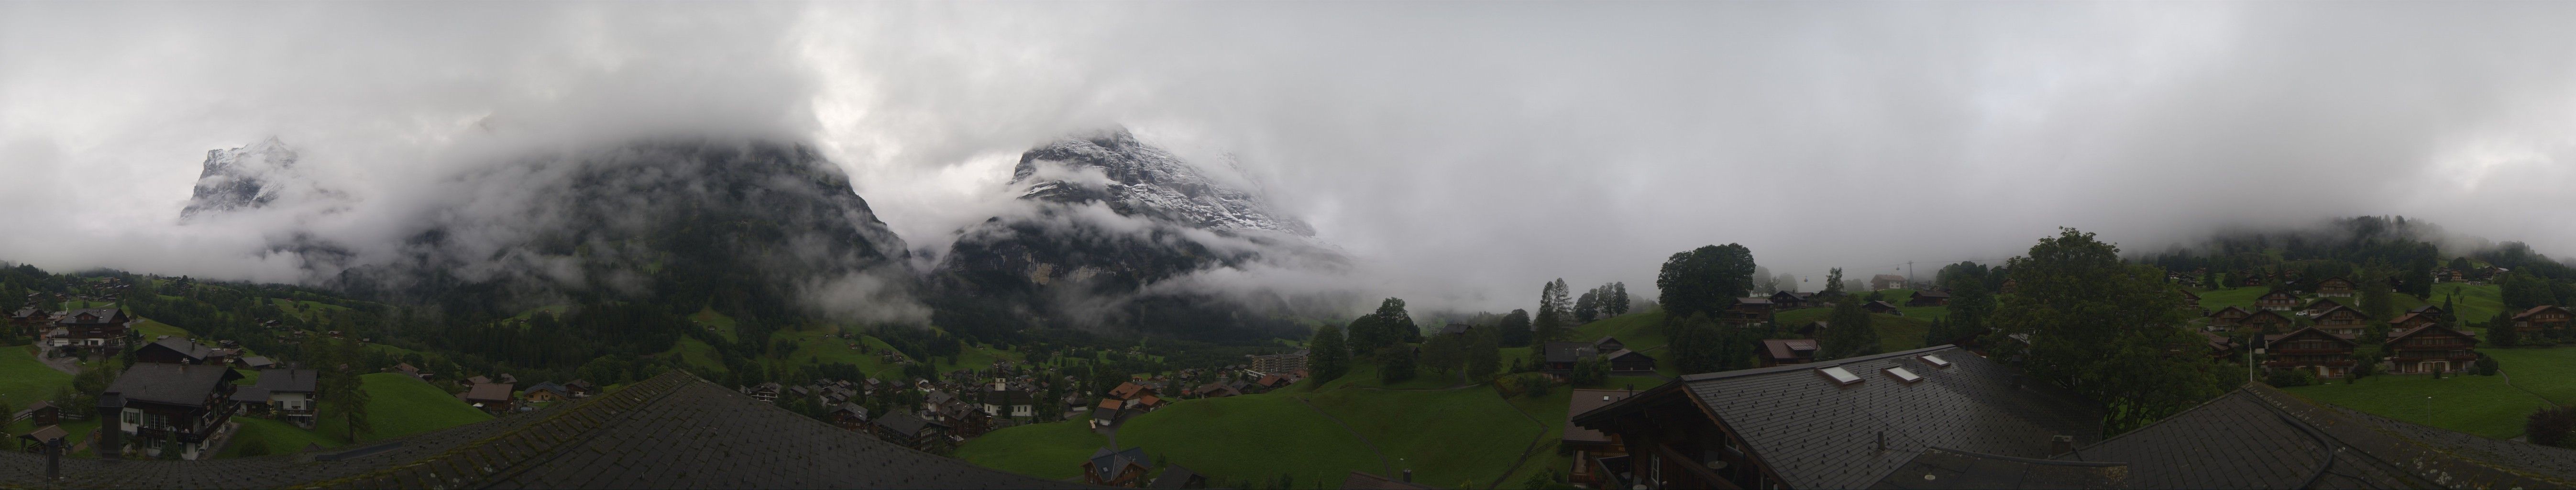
(1909, 273)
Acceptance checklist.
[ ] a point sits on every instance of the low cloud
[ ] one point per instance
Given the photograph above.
(1461, 153)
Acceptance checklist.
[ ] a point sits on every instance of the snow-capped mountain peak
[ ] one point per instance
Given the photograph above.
(1137, 179)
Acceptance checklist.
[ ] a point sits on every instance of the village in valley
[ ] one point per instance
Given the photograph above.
(1607, 391)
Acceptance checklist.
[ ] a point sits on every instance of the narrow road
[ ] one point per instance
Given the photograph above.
(68, 365)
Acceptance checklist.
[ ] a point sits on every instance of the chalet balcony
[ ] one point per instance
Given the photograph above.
(2312, 352)
(2434, 356)
(2296, 364)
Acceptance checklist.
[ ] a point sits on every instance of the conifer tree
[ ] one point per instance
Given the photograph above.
(1327, 356)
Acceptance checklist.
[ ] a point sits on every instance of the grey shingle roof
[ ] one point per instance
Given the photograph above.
(1816, 434)
(2261, 437)
(176, 384)
(288, 380)
(1945, 468)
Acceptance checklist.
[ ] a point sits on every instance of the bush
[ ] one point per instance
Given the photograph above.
(2290, 377)
(2487, 366)
(2550, 426)
(1533, 385)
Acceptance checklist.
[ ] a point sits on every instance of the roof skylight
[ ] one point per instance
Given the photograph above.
(1903, 375)
(1936, 361)
(1840, 376)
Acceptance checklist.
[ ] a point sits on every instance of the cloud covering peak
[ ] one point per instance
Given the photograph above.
(1461, 152)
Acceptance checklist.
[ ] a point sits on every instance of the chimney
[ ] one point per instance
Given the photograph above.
(111, 425)
(2061, 445)
(53, 460)
(1408, 475)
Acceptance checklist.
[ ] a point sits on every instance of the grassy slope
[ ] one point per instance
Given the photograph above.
(1252, 437)
(398, 405)
(816, 347)
(1550, 411)
(1895, 333)
(724, 325)
(2214, 300)
(2481, 405)
(1053, 451)
(24, 380)
(153, 330)
(2477, 302)
(1463, 438)
(698, 353)
(2551, 373)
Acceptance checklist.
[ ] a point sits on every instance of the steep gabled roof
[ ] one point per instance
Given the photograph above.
(175, 384)
(1107, 464)
(2268, 340)
(2536, 310)
(2427, 328)
(1816, 433)
(289, 380)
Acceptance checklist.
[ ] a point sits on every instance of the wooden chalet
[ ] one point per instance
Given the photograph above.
(2326, 354)
(2278, 300)
(2430, 349)
(176, 350)
(1814, 328)
(1928, 298)
(2227, 319)
(546, 391)
(1886, 281)
(1001, 400)
(2450, 275)
(2267, 321)
(1457, 330)
(1840, 424)
(1561, 356)
(493, 398)
(2343, 321)
(1117, 468)
(1882, 307)
(2335, 287)
(580, 388)
(1788, 351)
(848, 416)
(2221, 347)
(2410, 320)
(1746, 311)
(2541, 318)
(292, 394)
(1789, 301)
(2429, 310)
(2189, 300)
(93, 330)
(912, 431)
(1588, 444)
(41, 414)
(1178, 477)
(160, 407)
(2319, 307)
(1625, 361)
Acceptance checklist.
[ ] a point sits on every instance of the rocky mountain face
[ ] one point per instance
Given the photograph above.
(1110, 219)
(756, 229)
(239, 178)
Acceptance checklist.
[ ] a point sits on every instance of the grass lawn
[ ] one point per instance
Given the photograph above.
(1251, 437)
(24, 380)
(2477, 302)
(1549, 410)
(2218, 299)
(819, 347)
(699, 354)
(305, 309)
(1640, 331)
(272, 437)
(396, 352)
(2551, 373)
(724, 325)
(1895, 333)
(399, 405)
(2482, 405)
(1053, 451)
(1456, 438)
(153, 330)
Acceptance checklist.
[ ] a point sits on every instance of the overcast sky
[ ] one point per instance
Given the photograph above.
(1465, 152)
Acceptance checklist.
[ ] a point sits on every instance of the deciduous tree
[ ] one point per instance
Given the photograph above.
(1704, 280)
(2102, 328)
(1328, 357)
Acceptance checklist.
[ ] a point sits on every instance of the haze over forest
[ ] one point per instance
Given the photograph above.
(1460, 155)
